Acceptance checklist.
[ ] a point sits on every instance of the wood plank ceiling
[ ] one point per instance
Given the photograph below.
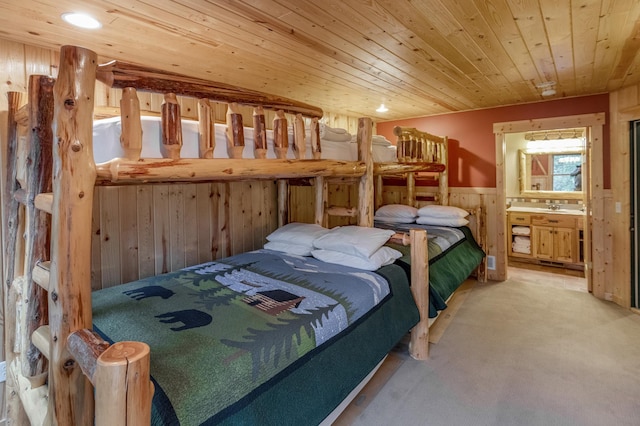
(419, 57)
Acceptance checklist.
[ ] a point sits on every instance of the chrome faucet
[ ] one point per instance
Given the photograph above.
(553, 206)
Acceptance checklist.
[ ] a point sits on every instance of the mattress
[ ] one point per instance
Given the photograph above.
(453, 255)
(258, 338)
(106, 143)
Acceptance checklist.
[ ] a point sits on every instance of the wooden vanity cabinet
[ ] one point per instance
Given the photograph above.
(554, 238)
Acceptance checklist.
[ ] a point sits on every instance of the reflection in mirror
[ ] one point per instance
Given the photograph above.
(547, 171)
(545, 164)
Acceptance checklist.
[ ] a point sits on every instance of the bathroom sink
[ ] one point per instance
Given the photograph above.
(546, 210)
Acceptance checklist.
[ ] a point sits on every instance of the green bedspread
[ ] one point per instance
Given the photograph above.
(453, 255)
(258, 338)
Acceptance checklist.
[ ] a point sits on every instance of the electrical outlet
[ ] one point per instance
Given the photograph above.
(491, 263)
(3, 371)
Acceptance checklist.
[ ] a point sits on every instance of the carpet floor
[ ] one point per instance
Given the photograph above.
(520, 352)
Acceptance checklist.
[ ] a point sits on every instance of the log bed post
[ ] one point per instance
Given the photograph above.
(38, 223)
(419, 345)
(123, 366)
(443, 182)
(365, 154)
(10, 232)
(74, 175)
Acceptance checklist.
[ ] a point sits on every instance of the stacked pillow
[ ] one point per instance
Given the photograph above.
(295, 238)
(356, 246)
(396, 213)
(442, 215)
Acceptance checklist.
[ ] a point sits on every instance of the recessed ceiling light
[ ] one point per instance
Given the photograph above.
(81, 20)
(548, 92)
(382, 108)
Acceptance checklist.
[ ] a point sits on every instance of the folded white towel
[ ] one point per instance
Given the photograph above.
(521, 230)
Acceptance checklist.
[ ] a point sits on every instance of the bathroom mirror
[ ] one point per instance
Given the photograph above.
(551, 175)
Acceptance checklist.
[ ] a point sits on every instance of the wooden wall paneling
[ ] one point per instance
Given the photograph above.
(601, 288)
(110, 237)
(204, 217)
(96, 242)
(270, 200)
(621, 291)
(223, 234)
(189, 107)
(624, 107)
(191, 219)
(146, 249)
(246, 215)
(12, 70)
(176, 227)
(40, 61)
(302, 203)
(101, 96)
(155, 101)
(161, 234)
(128, 214)
(145, 103)
(236, 219)
(257, 219)
(217, 201)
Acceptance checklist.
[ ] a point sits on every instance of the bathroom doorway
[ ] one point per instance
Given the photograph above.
(591, 178)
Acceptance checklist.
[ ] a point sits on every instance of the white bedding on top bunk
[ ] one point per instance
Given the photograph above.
(106, 143)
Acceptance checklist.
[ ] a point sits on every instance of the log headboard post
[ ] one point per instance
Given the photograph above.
(206, 130)
(259, 133)
(365, 154)
(74, 176)
(131, 136)
(171, 127)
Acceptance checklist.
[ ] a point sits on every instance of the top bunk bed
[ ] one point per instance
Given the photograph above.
(57, 359)
(421, 171)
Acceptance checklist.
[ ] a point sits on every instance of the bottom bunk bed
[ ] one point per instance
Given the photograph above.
(244, 340)
(453, 250)
(61, 372)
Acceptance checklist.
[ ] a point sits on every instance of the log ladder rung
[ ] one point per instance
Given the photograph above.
(44, 201)
(342, 211)
(40, 274)
(40, 339)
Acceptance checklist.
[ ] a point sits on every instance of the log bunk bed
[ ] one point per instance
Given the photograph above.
(455, 234)
(60, 370)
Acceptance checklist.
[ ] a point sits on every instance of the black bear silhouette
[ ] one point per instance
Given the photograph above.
(149, 291)
(191, 318)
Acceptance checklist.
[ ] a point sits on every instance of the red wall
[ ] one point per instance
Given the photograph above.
(472, 157)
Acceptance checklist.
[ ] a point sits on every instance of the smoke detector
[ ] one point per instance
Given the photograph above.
(547, 88)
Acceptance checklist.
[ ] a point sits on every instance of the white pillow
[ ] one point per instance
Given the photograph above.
(395, 219)
(289, 248)
(297, 233)
(442, 221)
(396, 211)
(442, 211)
(354, 240)
(383, 256)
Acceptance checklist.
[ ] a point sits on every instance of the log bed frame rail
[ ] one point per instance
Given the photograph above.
(56, 364)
